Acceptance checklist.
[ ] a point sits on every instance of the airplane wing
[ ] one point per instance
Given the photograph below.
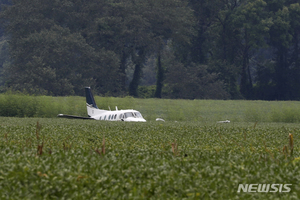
(73, 117)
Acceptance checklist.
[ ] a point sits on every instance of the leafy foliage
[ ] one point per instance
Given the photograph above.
(250, 47)
(194, 82)
(207, 161)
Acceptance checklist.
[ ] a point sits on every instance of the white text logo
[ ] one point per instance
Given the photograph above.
(264, 188)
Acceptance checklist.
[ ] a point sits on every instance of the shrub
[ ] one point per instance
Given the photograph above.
(146, 91)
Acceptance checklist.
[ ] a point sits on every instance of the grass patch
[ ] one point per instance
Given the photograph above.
(18, 105)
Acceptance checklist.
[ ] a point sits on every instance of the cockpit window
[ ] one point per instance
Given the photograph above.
(138, 115)
(128, 114)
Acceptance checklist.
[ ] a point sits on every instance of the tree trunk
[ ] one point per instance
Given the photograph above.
(134, 84)
(122, 70)
(160, 78)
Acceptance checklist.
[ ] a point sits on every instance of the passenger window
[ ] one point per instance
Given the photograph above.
(104, 117)
(109, 117)
(100, 118)
(115, 116)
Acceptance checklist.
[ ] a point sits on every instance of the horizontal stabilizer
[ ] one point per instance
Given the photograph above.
(73, 116)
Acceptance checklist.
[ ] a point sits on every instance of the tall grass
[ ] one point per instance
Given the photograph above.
(275, 111)
(12, 105)
(21, 105)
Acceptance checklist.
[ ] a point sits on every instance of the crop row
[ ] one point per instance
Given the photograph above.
(75, 159)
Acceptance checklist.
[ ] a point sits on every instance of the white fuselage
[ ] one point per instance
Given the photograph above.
(116, 115)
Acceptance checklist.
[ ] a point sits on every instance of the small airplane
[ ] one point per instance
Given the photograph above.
(98, 114)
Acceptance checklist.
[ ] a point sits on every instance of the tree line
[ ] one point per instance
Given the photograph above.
(203, 49)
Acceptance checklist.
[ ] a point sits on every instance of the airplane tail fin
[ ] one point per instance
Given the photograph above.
(92, 109)
(90, 101)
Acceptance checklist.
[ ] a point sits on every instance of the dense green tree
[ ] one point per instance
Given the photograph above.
(136, 29)
(57, 62)
(232, 33)
(194, 82)
(280, 39)
(206, 13)
(191, 81)
(279, 77)
(4, 56)
(253, 24)
(58, 47)
(294, 82)
(224, 46)
(48, 57)
(4, 59)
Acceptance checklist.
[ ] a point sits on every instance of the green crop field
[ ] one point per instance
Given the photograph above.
(192, 158)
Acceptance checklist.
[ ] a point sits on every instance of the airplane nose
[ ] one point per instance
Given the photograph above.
(140, 119)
